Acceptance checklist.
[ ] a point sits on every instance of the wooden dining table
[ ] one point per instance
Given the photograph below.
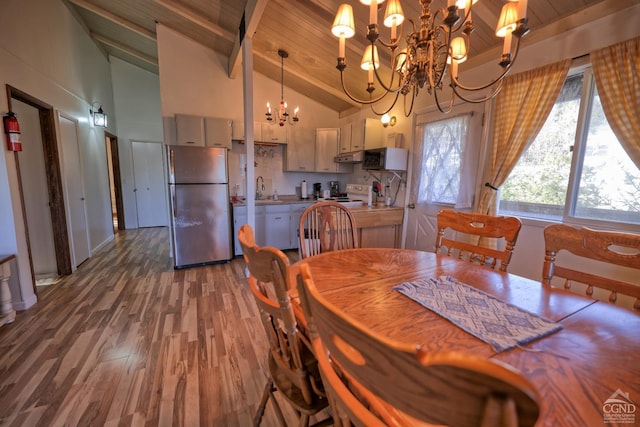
(595, 357)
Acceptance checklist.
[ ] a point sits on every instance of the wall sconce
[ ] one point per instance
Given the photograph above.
(99, 117)
(388, 121)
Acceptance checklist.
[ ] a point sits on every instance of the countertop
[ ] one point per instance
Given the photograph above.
(287, 199)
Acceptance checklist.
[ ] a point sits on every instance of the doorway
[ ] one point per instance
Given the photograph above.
(44, 123)
(115, 183)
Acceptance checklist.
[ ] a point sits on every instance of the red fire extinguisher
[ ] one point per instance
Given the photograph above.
(12, 129)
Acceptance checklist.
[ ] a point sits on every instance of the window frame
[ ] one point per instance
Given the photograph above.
(578, 148)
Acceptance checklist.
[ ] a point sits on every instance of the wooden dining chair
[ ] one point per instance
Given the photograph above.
(326, 226)
(471, 231)
(371, 380)
(590, 245)
(293, 368)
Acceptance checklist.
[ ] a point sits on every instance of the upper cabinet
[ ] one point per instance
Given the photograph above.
(217, 132)
(262, 132)
(189, 130)
(273, 133)
(347, 141)
(327, 148)
(361, 135)
(203, 131)
(299, 155)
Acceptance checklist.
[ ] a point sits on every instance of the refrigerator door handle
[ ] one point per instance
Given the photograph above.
(173, 199)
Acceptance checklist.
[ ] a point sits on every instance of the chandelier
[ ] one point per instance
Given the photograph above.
(282, 115)
(421, 58)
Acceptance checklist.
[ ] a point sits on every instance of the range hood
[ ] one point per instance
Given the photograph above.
(352, 157)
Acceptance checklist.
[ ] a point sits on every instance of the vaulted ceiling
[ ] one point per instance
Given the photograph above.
(126, 29)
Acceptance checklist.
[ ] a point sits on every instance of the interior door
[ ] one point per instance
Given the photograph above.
(444, 170)
(150, 184)
(33, 176)
(74, 194)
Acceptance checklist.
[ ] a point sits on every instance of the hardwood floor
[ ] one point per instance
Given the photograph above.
(128, 340)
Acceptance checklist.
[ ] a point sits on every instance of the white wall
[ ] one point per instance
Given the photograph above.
(48, 55)
(136, 95)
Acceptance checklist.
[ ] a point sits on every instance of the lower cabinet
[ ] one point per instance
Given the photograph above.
(240, 218)
(276, 225)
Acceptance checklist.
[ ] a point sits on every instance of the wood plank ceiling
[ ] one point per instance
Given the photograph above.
(127, 30)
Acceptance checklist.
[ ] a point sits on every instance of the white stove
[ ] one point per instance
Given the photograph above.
(357, 195)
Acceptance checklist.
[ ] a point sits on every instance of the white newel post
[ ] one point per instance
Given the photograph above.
(7, 313)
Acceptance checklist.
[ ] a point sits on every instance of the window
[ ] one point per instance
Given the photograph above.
(443, 142)
(575, 168)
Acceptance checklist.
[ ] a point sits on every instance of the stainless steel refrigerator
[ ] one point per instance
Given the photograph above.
(200, 209)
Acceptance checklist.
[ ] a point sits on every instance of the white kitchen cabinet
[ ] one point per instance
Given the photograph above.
(366, 134)
(277, 227)
(327, 140)
(349, 142)
(217, 132)
(190, 130)
(240, 217)
(262, 132)
(273, 133)
(296, 213)
(238, 130)
(299, 155)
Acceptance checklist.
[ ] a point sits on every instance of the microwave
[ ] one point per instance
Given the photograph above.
(386, 158)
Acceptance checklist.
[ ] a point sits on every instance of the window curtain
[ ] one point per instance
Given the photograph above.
(520, 110)
(616, 70)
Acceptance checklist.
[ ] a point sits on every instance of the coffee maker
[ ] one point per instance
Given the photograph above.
(317, 190)
(334, 186)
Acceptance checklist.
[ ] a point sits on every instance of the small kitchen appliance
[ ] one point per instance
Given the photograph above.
(334, 187)
(317, 190)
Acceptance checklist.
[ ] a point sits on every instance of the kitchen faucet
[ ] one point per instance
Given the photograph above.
(259, 187)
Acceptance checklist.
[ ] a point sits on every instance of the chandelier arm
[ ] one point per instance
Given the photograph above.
(479, 100)
(450, 107)
(353, 98)
(389, 88)
(497, 79)
(388, 109)
(413, 98)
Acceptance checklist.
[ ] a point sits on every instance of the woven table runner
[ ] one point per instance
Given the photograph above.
(495, 322)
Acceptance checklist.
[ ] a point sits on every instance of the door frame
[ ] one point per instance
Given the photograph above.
(54, 182)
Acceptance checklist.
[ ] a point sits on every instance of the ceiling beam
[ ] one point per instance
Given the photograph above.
(189, 15)
(114, 18)
(114, 44)
(252, 15)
